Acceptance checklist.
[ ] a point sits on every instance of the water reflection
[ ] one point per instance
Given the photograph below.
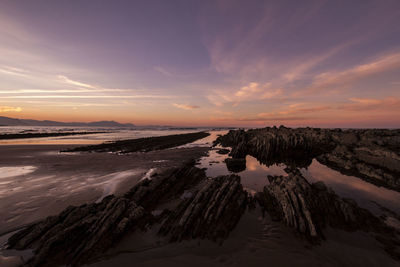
(352, 187)
(253, 178)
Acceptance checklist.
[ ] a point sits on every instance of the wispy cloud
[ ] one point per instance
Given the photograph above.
(87, 96)
(348, 76)
(185, 106)
(163, 71)
(250, 92)
(67, 80)
(10, 109)
(371, 104)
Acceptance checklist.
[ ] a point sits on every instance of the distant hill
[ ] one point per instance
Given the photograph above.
(5, 121)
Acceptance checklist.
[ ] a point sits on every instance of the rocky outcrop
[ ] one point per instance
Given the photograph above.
(166, 186)
(235, 164)
(277, 145)
(143, 144)
(211, 212)
(223, 151)
(78, 234)
(376, 164)
(372, 154)
(309, 208)
(188, 206)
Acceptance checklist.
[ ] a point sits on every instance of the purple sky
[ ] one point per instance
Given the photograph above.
(244, 63)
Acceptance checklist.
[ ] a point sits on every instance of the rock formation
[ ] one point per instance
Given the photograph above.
(143, 144)
(197, 208)
(211, 212)
(309, 208)
(235, 164)
(78, 234)
(373, 155)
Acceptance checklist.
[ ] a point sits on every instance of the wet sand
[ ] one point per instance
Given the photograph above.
(40, 181)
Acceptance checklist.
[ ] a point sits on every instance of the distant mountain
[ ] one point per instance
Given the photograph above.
(5, 121)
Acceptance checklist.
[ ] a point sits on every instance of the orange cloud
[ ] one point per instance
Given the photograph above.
(186, 107)
(10, 109)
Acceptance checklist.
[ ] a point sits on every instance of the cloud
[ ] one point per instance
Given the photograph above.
(251, 91)
(163, 71)
(86, 96)
(339, 78)
(271, 118)
(14, 71)
(66, 80)
(186, 107)
(10, 109)
(372, 104)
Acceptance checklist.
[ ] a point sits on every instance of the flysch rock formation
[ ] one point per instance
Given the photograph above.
(370, 154)
(211, 212)
(201, 208)
(78, 234)
(309, 208)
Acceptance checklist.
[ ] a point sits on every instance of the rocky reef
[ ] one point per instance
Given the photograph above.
(78, 234)
(142, 144)
(370, 154)
(211, 212)
(309, 208)
(197, 207)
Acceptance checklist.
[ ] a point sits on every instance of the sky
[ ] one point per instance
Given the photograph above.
(333, 63)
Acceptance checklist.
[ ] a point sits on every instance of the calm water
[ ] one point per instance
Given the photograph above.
(254, 178)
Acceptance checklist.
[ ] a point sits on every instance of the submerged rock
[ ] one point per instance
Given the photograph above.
(235, 164)
(223, 151)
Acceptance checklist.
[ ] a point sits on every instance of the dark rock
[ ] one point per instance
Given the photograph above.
(235, 164)
(79, 234)
(143, 144)
(223, 151)
(309, 208)
(170, 184)
(212, 212)
(372, 154)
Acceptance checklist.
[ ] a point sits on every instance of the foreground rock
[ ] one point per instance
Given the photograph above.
(309, 208)
(373, 155)
(143, 144)
(191, 207)
(211, 212)
(79, 234)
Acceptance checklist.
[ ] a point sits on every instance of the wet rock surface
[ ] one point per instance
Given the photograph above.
(309, 208)
(370, 154)
(143, 144)
(182, 203)
(197, 208)
(78, 234)
(211, 212)
(236, 164)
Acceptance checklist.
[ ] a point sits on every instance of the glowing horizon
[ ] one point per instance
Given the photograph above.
(202, 63)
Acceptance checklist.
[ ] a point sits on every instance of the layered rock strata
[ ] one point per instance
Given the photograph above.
(309, 208)
(143, 144)
(211, 212)
(373, 155)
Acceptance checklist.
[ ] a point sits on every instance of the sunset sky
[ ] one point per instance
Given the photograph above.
(212, 63)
